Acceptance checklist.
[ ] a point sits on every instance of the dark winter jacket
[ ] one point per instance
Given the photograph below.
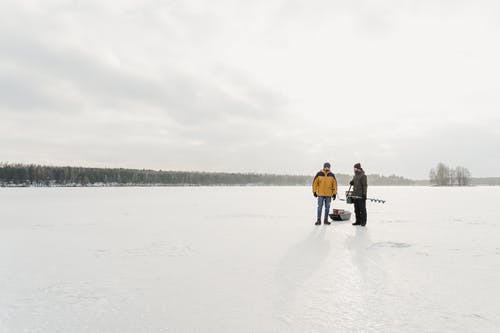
(360, 184)
(325, 184)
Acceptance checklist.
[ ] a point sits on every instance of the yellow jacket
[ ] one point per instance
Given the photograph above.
(325, 184)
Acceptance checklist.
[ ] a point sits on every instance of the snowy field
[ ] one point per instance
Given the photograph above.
(247, 259)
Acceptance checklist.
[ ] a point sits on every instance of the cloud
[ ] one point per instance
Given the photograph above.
(180, 95)
(80, 106)
(267, 86)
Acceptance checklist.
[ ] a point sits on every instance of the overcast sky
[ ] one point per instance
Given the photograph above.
(269, 86)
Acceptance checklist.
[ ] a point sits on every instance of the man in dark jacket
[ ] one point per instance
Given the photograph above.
(324, 188)
(360, 186)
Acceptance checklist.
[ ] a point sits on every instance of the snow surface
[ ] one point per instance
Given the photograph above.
(247, 259)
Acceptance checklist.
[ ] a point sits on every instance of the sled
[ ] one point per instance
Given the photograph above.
(340, 215)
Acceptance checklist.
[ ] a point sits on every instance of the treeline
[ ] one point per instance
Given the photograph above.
(443, 175)
(375, 179)
(42, 175)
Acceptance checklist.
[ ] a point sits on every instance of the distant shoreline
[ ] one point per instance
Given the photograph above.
(211, 185)
(183, 185)
(23, 175)
(32, 175)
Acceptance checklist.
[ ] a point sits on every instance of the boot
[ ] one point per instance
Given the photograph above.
(318, 222)
(356, 223)
(326, 220)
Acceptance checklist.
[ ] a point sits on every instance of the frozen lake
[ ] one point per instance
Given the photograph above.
(247, 259)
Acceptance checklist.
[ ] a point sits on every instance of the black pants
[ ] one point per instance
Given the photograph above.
(360, 210)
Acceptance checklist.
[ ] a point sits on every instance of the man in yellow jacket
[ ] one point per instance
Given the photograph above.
(324, 188)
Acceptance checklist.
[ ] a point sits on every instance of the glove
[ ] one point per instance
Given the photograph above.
(334, 196)
(315, 194)
(351, 182)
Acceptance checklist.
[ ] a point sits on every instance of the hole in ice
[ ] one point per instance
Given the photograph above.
(390, 244)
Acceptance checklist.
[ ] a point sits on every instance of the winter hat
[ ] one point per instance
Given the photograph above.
(326, 165)
(357, 166)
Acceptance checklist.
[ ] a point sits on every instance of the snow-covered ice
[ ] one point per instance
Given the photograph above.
(247, 259)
